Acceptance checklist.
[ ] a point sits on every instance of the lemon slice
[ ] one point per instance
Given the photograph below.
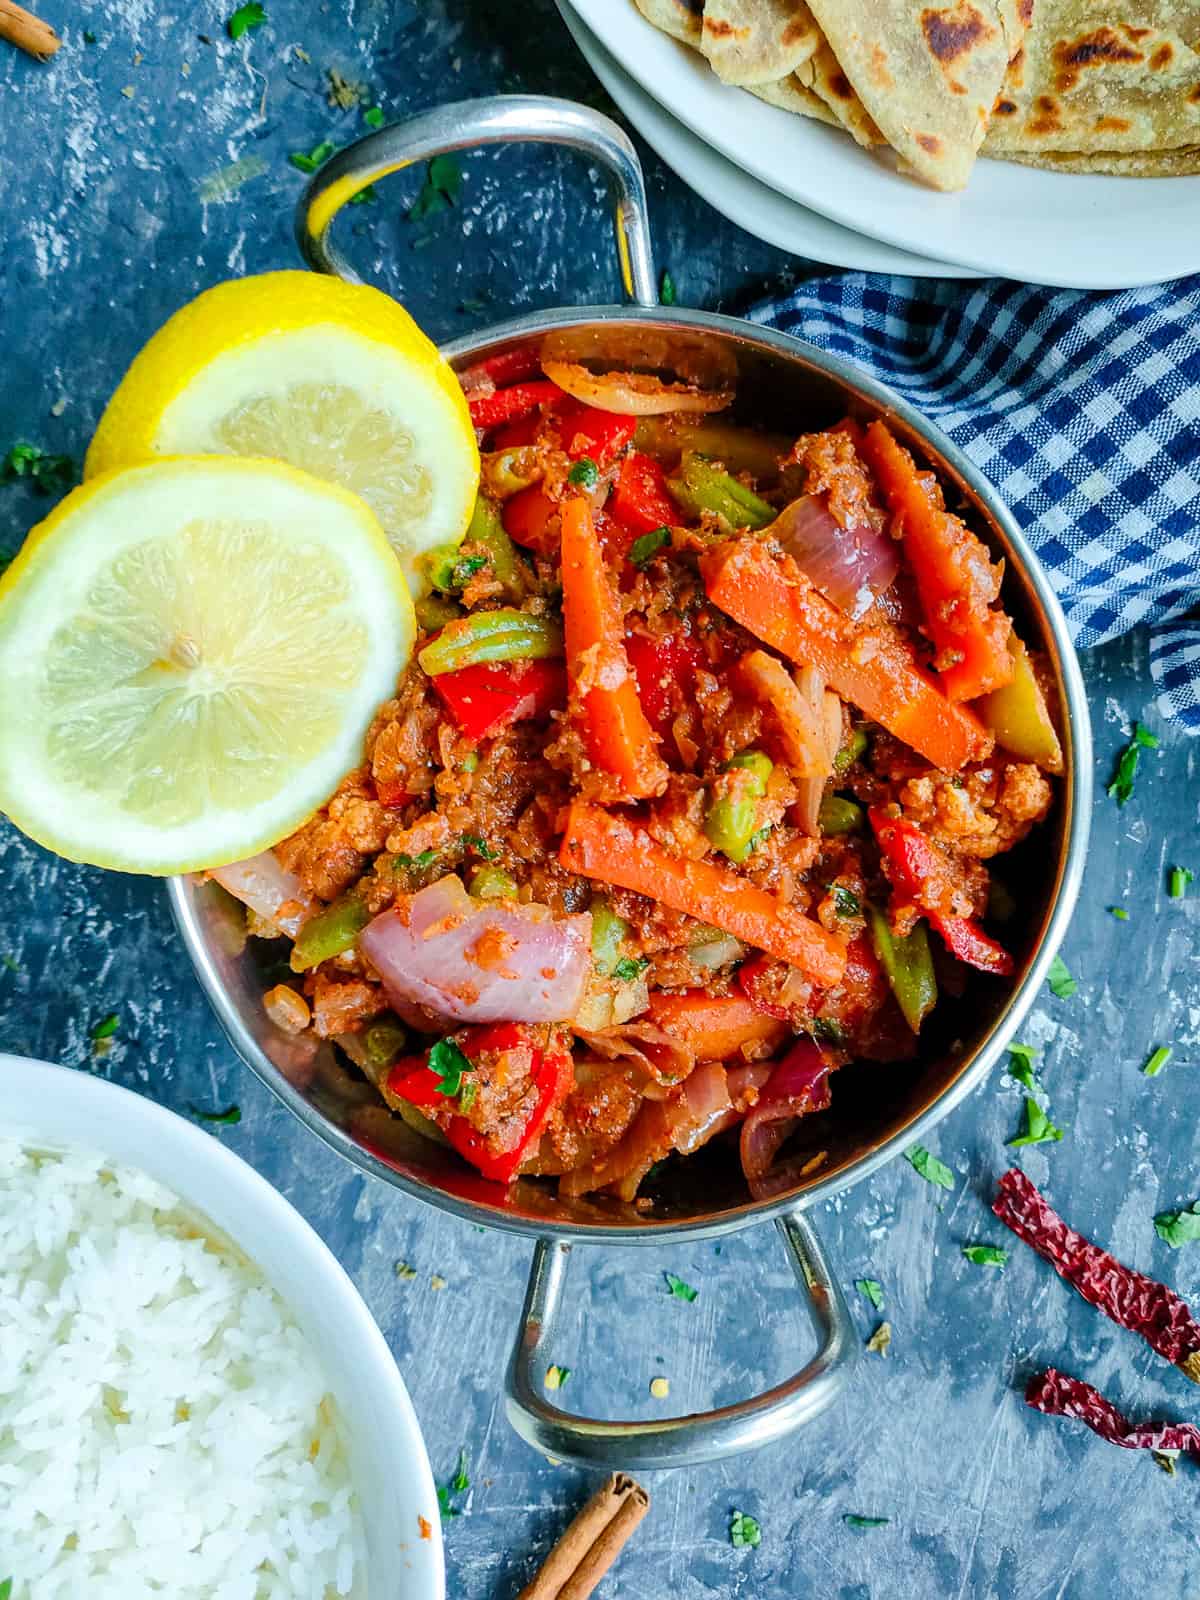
(191, 653)
(329, 376)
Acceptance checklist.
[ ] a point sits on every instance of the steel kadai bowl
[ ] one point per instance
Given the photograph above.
(877, 1112)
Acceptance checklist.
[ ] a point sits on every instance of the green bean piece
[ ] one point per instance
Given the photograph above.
(732, 820)
(740, 449)
(908, 966)
(608, 932)
(853, 750)
(329, 933)
(434, 611)
(492, 883)
(759, 766)
(703, 487)
(486, 529)
(383, 1043)
(838, 816)
(503, 635)
(506, 472)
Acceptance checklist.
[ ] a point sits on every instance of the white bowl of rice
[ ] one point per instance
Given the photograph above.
(195, 1404)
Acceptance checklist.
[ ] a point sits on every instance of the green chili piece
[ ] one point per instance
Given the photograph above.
(434, 611)
(486, 528)
(853, 750)
(493, 883)
(503, 635)
(732, 819)
(908, 966)
(703, 487)
(759, 454)
(383, 1043)
(329, 933)
(608, 931)
(838, 816)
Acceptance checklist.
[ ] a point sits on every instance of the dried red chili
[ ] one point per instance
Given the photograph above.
(1059, 1396)
(1128, 1298)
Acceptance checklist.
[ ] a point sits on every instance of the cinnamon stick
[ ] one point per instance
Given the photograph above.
(27, 32)
(591, 1543)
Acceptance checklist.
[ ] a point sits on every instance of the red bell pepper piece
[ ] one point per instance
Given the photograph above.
(748, 975)
(506, 405)
(487, 698)
(665, 670)
(640, 501)
(390, 793)
(527, 519)
(599, 435)
(966, 940)
(513, 435)
(510, 366)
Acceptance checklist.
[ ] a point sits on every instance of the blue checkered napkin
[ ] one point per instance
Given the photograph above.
(1082, 409)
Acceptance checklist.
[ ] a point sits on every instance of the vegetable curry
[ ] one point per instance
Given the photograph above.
(687, 799)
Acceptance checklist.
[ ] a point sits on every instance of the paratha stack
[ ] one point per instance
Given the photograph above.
(1075, 85)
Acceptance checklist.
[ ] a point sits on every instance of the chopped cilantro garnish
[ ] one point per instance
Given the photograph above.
(458, 1484)
(1119, 912)
(629, 968)
(585, 474)
(6, 1586)
(447, 1062)
(1180, 878)
(666, 289)
(556, 1376)
(404, 1271)
(364, 197)
(480, 846)
(744, 1531)
(416, 863)
(845, 901)
(1121, 788)
(985, 1255)
(827, 1029)
(930, 1168)
(316, 157)
(443, 183)
(757, 838)
(1179, 1227)
(251, 15)
(853, 1520)
(1157, 1061)
(1020, 1065)
(872, 1290)
(46, 473)
(649, 544)
(1038, 1127)
(1062, 984)
(466, 569)
(106, 1029)
(681, 1290)
(374, 117)
(224, 1119)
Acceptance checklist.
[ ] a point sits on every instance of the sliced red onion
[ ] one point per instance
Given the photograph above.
(851, 566)
(262, 884)
(479, 961)
(798, 1086)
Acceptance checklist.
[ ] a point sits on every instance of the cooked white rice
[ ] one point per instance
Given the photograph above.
(164, 1427)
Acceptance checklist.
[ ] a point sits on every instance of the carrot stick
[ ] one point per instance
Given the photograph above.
(714, 1027)
(619, 739)
(598, 844)
(955, 577)
(871, 667)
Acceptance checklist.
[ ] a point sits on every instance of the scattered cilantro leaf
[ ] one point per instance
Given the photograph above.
(364, 197)
(316, 157)
(556, 1376)
(629, 968)
(88, 38)
(871, 1290)
(929, 1167)
(416, 863)
(1119, 912)
(1157, 1061)
(880, 1341)
(106, 1028)
(1121, 787)
(477, 843)
(6, 1586)
(986, 1255)
(404, 1271)
(845, 901)
(447, 1062)
(828, 1029)
(373, 117)
(1020, 1065)
(585, 474)
(666, 288)
(442, 186)
(757, 838)
(224, 1119)
(46, 473)
(1062, 984)
(853, 1520)
(458, 1484)
(1179, 1227)
(681, 1290)
(251, 15)
(647, 545)
(1180, 878)
(745, 1533)
(1038, 1127)
(465, 569)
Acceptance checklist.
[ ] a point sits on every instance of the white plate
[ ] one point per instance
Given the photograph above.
(55, 1106)
(1079, 230)
(752, 205)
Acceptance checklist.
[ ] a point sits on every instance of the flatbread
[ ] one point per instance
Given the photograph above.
(1181, 163)
(789, 94)
(1103, 76)
(679, 18)
(823, 76)
(927, 74)
(757, 41)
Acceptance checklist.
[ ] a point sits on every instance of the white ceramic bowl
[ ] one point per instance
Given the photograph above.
(55, 1106)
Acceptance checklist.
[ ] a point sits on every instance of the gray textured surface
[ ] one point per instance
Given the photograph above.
(103, 231)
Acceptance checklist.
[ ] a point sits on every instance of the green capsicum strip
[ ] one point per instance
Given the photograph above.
(838, 816)
(732, 819)
(493, 883)
(383, 1043)
(608, 930)
(329, 933)
(703, 487)
(907, 965)
(450, 569)
(503, 635)
(434, 611)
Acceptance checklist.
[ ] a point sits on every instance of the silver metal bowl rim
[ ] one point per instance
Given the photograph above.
(1077, 799)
